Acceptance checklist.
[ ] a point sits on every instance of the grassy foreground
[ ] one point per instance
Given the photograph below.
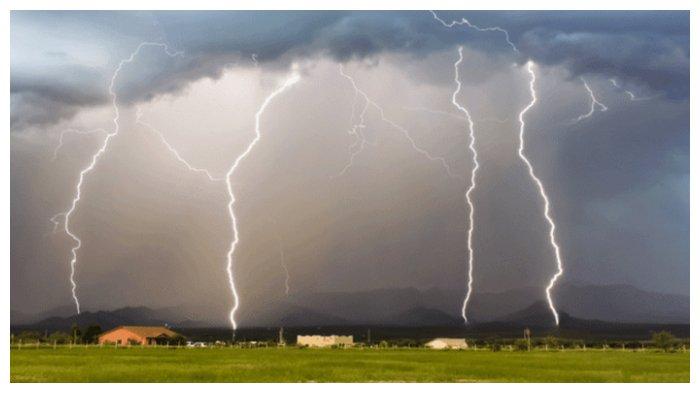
(338, 365)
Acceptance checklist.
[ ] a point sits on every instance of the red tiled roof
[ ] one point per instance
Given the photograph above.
(145, 331)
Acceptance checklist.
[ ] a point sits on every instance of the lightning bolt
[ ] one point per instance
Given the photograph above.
(472, 184)
(536, 180)
(629, 94)
(363, 142)
(283, 263)
(594, 103)
(93, 162)
(139, 120)
(465, 22)
(357, 130)
(294, 78)
(79, 132)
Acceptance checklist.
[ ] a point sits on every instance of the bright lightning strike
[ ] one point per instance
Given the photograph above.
(95, 158)
(465, 22)
(552, 226)
(232, 197)
(404, 132)
(472, 184)
(594, 103)
(139, 120)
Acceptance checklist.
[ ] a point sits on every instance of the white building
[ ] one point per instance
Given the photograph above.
(447, 343)
(325, 341)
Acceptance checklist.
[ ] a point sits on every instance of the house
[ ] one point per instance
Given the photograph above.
(447, 343)
(142, 335)
(325, 341)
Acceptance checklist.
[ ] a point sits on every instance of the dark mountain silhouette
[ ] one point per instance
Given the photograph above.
(421, 316)
(405, 307)
(537, 314)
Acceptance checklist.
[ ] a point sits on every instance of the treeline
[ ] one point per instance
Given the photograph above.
(75, 335)
(662, 340)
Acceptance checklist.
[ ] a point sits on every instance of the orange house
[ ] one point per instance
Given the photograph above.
(144, 335)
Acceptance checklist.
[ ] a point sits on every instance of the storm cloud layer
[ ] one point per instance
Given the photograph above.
(156, 234)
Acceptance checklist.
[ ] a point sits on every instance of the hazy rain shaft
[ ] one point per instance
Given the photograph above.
(153, 215)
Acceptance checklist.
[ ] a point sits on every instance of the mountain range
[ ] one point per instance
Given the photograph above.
(408, 307)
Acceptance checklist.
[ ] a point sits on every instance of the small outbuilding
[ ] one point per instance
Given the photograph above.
(142, 335)
(325, 341)
(447, 343)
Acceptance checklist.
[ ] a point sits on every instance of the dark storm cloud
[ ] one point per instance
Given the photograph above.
(649, 48)
(43, 99)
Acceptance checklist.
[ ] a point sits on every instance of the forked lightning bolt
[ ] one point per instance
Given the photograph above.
(552, 226)
(465, 22)
(232, 197)
(95, 158)
(632, 96)
(79, 132)
(472, 184)
(357, 129)
(139, 120)
(594, 103)
(363, 142)
(283, 262)
(629, 93)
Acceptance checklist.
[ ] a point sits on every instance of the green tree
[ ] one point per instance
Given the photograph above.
(75, 333)
(551, 342)
(176, 340)
(59, 337)
(664, 340)
(91, 334)
(522, 345)
(29, 336)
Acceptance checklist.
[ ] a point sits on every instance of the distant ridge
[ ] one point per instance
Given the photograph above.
(403, 307)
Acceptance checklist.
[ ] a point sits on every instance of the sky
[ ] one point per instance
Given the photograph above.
(155, 233)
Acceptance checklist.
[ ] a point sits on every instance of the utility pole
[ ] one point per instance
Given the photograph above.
(280, 340)
(369, 337)
(526, 335)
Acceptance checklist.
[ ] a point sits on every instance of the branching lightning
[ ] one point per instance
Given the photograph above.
(294, 78)
(283, 262)
(93, 162)
(465, 22)
(363, 141)
(552, 226)
(472, 184)
(594, 104)
(79, 132)
(139, 120)
(632, 96)
(357, 129)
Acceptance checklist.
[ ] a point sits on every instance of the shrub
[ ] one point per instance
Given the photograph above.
(521, 345)
(59, 338)
(664, 340)
(551, 342)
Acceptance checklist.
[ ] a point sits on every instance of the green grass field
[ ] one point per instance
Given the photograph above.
(338, 365)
